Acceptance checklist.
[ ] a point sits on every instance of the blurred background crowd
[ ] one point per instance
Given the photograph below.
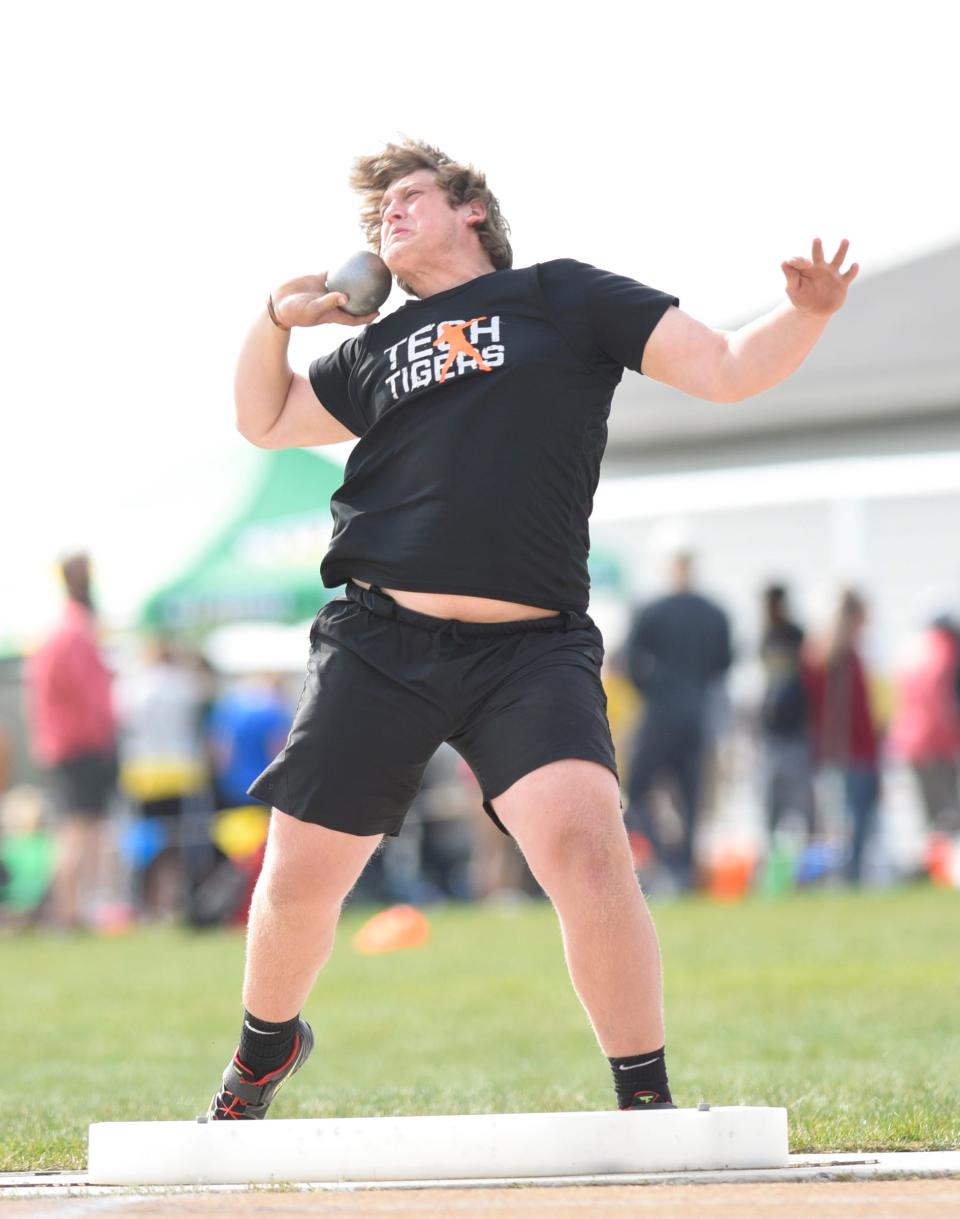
(124, 769)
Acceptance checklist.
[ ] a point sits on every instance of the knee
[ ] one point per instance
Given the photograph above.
(288, 885)
(583, 864)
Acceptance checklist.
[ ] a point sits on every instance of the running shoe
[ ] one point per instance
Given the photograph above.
(242, 1097)
(648, 1100)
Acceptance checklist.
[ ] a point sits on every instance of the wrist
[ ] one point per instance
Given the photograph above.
(272, 314)
(810, 316)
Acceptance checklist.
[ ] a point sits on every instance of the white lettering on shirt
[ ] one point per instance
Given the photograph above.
(419, 346)
(392, 353)
(440, 351)
(491, 330)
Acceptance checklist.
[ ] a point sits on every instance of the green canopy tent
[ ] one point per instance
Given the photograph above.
(264, 566)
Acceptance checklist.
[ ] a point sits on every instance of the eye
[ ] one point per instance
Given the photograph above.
(407, 194)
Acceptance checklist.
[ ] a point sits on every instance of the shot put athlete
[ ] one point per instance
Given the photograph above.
(461, 536)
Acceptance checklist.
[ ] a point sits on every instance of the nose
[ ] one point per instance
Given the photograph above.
(393, 211)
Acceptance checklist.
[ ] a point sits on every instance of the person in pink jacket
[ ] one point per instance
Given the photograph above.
(73, 730)
(926, 727)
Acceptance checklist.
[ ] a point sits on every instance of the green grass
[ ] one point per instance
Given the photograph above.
(844, 1008)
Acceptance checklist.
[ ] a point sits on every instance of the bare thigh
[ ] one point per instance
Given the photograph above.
(310, 863)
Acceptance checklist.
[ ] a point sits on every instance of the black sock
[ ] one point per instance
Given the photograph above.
(264, 1046)
(640, 1073)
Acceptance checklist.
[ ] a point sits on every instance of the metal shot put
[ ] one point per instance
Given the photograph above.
(365, 281)
(460, 543)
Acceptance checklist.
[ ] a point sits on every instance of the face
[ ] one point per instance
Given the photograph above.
(418, 226)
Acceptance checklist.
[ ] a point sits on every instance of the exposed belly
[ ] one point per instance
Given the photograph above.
(464, 609)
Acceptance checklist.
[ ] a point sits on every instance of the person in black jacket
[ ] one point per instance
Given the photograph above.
(678, 648)
(785, 717)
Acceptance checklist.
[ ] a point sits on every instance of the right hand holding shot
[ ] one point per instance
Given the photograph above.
(306, 301)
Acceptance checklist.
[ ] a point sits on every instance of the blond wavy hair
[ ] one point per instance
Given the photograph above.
(371, 176)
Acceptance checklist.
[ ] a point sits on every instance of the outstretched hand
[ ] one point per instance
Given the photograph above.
(819, 287)
(306, 302)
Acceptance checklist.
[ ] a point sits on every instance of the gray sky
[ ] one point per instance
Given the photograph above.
(167, 165)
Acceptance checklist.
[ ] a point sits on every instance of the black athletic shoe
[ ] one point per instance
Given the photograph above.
(648, 1100)
(244, 1098)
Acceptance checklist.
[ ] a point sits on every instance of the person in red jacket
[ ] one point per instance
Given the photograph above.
(845, 734)
(73, 731)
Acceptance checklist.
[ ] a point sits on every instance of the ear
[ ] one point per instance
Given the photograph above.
(478, 213)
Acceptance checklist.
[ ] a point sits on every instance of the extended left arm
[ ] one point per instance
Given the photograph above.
(728, 366)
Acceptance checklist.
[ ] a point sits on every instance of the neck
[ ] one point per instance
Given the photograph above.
(429, 280)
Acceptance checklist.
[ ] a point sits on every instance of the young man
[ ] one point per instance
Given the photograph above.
(461, 534)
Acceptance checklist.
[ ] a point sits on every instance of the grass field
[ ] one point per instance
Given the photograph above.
(844, 1008)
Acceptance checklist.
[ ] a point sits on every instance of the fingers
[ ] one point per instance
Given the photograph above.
(837, 260)
(329, 302)
(306, 302)
(313, 309)
(352, 319)
(835, 263)
(330, 308)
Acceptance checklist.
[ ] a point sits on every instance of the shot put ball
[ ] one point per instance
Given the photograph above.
(365, 279)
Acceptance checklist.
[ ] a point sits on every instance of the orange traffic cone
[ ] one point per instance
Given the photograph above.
(939, 860)
(730, 874)
(398, 927)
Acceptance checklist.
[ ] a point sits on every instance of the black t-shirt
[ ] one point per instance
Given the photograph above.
(482, 417)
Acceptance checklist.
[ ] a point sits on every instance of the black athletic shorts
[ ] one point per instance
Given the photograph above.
(86, 782)
(386, 686)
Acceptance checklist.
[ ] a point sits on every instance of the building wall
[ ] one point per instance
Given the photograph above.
(900, 549)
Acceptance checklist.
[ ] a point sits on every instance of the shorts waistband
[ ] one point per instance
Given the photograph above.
(378, 602)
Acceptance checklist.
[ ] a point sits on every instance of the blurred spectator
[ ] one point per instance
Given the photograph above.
(785, 718)
(26, 857)
(677, 651)
(717, 769)
(245, 727)
(846, 736)
(248, 726)
(442, 815)
(925, 731)
(5, 766)
(71, 720)
(431, 859)
(159, 702)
